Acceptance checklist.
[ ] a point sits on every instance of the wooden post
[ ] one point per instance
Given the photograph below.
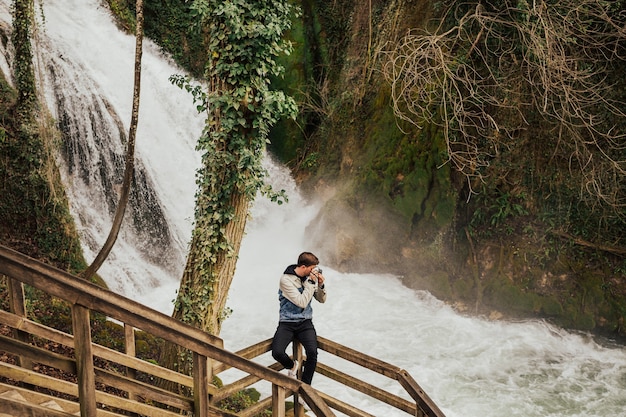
(278, 401)
(84, 361)
(425, 406)
(298, 410)
(17, 306)
(129, 347)
(200, 385)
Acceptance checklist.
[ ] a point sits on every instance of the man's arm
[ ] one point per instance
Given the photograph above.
(289, 287)
(320, 291)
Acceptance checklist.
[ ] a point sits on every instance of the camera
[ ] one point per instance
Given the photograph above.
(317, 270)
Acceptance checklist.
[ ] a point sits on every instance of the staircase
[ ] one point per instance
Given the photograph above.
(107, 382)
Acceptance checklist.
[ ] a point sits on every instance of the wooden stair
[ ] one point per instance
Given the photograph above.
(18, 402)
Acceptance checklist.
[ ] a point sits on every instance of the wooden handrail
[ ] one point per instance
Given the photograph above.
(80, 292)
(424, 402)
(84, 297)
(209, 357)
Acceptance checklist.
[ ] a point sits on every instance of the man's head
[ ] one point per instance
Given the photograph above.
(307, 259)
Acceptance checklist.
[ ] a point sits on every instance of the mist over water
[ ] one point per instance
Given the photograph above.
(471, 367)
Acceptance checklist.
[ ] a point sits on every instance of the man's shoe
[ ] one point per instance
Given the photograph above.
(293, 372)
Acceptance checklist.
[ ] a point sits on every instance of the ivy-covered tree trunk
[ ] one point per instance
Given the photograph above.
(24, 73)
(207, 277)
(243, 40)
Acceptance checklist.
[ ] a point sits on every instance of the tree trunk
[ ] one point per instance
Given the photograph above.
(130, 154)
(24, 72)
(241, 108)
(222, 271)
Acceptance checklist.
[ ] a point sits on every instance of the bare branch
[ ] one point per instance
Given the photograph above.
(478, 79)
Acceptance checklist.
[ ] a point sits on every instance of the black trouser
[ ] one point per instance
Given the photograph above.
(305, 333)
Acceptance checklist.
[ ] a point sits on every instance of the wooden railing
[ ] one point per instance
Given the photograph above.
(108, 382)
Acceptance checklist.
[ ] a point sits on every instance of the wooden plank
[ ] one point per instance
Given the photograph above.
(425, 403)
(16, 297)
(11, 407)
(39, 398)
(143, 390)
(256, 349)
(130, 385)
(236, 386)
(366, 388)
(278, 401)
(17, 305)
(313, 400)
(30, 377)
(248, 353)
(98, 350)
(359, 358)
(344, 407)
(36, 354)
(84, 360)
(129, 350)
(200, 383)
(142, 366)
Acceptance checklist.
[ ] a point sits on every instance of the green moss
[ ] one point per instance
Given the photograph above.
(287, 137)
(585, 321)
(550, 306)
(413, 190)
(439, 285)
(506, 296)
(575, 316)
(464, 289)
(33, 208)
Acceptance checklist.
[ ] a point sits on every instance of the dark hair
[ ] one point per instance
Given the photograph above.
(307, 259)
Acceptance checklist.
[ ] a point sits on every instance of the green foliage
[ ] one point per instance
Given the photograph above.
(125, 17)
(23, 18)
(244, 39)
(34, 211)
(168, 23)
(312, 160)
(495, 210)
(242, 400)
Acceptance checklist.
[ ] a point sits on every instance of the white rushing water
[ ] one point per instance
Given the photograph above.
(471, 367)
(86, 67)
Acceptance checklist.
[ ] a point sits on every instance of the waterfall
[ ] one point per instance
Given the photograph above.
(471, 367)
(86, 70)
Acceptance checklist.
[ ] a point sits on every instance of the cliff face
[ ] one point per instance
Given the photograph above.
(503, 244)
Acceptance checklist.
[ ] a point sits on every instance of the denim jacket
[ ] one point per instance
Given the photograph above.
(295, 295)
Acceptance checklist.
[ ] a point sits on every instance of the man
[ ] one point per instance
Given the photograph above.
(299, 284)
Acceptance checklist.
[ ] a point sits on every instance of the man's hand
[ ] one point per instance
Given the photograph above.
(319, 277)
